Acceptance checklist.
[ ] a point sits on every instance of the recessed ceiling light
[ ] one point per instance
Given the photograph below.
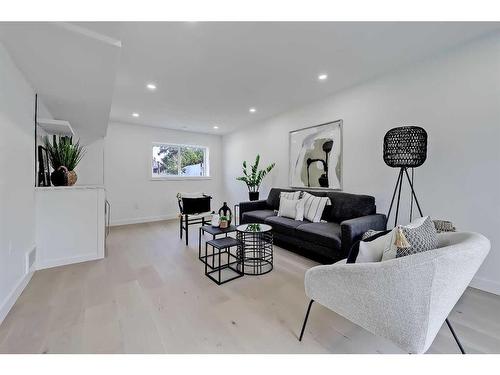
(252, 110)
(135, 114)
(151, 86)
(322, 77)
(216, 127)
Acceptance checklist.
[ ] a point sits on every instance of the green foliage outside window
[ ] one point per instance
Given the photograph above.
(170, 158)
(189, 156)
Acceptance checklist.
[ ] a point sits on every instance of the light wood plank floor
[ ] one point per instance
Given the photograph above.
(150, 296)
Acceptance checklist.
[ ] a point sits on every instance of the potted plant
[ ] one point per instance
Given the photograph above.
(64, 156)
(253, 227)
(254, 178)
(223, 222)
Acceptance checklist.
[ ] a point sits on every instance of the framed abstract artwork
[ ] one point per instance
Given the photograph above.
(316, 157)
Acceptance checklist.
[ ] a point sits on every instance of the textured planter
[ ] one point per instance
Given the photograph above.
(253, 195)
(72, 177)
(223, 224)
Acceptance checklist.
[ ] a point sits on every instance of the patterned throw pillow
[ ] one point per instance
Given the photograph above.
(314, 206)
(369, 233)
(420, 238)
(444, 226)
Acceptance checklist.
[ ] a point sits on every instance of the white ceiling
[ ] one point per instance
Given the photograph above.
(72, 70)
(211, 73)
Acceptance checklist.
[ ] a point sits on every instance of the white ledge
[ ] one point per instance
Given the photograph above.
(180, 178)
(57, 127)
(74, 187)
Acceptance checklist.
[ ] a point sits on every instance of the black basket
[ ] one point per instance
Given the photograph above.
(191, 206)
(405, 146)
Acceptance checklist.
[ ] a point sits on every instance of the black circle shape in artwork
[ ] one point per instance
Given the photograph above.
(327, 146)
(405, 146)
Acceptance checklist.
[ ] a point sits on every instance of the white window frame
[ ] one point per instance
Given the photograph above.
(206, 160)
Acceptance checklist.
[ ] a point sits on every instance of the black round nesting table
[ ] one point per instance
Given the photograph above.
(257, 248)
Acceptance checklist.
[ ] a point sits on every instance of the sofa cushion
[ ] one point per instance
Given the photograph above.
(258, 216)
(325, 234)
(344, 206)
(283, 225)
(347, 206)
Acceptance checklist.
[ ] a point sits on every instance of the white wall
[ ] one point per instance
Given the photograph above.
(133, 195)
(455, 97)
(90, 170)
(17, 197)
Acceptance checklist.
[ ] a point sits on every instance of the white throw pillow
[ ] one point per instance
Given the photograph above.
(314, 206)
(299, 214)
(292, 208)
(390, 251)
(290, 195)
(372, 251)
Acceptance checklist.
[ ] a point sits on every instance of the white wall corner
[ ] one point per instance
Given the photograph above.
(11, 299)
(30, 260)
(486, 285)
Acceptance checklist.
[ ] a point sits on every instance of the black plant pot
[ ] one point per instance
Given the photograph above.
(59, 177)
(253, 195)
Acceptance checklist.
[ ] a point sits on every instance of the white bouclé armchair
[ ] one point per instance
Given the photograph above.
(405, 300)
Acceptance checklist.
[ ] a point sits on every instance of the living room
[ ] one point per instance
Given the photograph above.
(191, 187)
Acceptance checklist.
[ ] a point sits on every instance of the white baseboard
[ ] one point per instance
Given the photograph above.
(486, 285)
(146, 219)
(11, 299)
(65, 261)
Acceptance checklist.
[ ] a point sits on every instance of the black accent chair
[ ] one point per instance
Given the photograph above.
(193, 210)
(343, 223)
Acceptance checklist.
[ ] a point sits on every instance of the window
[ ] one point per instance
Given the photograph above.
(179, 161)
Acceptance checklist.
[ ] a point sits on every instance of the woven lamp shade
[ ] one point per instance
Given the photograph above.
(405, 146)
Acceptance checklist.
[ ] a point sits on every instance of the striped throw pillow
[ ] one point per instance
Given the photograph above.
(314, 206)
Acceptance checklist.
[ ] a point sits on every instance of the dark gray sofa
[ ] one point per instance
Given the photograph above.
(349, 216)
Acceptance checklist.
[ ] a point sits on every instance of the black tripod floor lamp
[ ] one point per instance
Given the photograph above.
(406, 148)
